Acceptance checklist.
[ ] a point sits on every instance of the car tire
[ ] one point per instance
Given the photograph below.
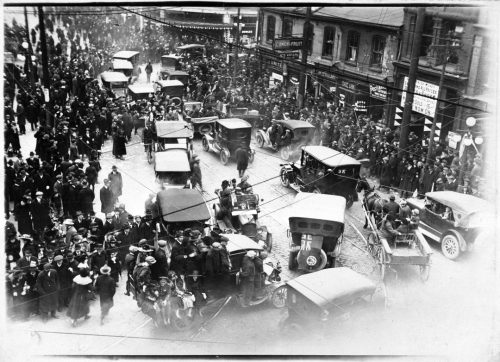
(204, 144)
(260, 140)
(285, 181)
(450, 246)
(224, 156)
(278, 298)
(285, 153)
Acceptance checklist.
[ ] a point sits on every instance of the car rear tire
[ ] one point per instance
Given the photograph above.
(260, 140)
(285, 181)
(204, 144)
(224, 156)
(285, 153)
(278, 298)
(450, 246)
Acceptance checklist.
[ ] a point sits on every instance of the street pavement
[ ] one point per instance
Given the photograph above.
(451, 314)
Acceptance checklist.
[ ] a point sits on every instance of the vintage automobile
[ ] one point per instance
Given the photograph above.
(201, 125)
(229, 135)
(316, 225)
(323, 170)
(141, 91)
(180, 209)
(456, 228)
(179, 75)
(172, 88)
(170, 62)
(126, 61)
(172, 167)
(251, 116)
(115, 83)
(315, 300)
(302, 134)
(193, 51)
(174, 134)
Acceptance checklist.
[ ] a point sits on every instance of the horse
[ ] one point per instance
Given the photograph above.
(373, 203)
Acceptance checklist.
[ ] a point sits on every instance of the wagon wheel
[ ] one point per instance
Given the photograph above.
(181, 320)
(260, 140)
(285, 181)
(285, 153)
(382, 261)
(204, 143)
(425, 272)
(224, 156)
(278, 298)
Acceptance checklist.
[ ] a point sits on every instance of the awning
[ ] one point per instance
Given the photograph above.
(199, 25)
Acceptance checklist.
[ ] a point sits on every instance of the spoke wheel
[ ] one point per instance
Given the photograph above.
(260, 140)
(285, 153)
(285, 181)
(224, 157)
(278, 298)
(450, 246)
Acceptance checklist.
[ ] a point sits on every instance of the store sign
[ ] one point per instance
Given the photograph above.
(289, 55)
(348, 85)
(378, 92)
(360, 106)
(274, 63)
(288, 43)
(453, 139)
(326, 75)
(424, 100)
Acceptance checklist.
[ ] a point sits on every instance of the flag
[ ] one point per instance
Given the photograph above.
(428, 121)
(396, 123)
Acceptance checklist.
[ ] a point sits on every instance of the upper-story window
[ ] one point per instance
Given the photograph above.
(378, 46)
(271, 28)
(287, 29)
(310, 37)
(328, 41)
(352, 46)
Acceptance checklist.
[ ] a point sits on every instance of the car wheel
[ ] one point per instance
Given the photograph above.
(204, 143)
(285, 153)
(224, 157)
(450, 246)
(260, 140)
(278, 298)
(285, 181)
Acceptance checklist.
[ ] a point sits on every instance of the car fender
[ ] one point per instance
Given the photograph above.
(461, 240)
(265, 136)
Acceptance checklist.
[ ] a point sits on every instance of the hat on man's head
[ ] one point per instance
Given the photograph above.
(39, 193)
(150, 260)
(392, 197)
(58, 258)
(105, 269)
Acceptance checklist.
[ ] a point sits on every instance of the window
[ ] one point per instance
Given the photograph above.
(427, 34)
(328, 40)
(287, 29)
(352, 46)
(271, 25)
(378, 46)
(309, 36)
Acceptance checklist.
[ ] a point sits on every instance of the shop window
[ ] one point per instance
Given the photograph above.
(287, 28)
(378, 46)
(352, 46)
(271, 28)
(427, 35)
(451, 29)
(328, 41)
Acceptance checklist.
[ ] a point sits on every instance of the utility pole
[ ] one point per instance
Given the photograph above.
(305, 52)
(43, 41)
(31, 75)
(236, 46)
(440, 94)
(412, 78)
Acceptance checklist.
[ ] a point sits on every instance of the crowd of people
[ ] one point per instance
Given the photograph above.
(60, 253)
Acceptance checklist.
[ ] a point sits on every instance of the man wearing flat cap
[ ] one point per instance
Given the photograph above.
(47, 286)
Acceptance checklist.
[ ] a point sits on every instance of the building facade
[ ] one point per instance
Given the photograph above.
(350, 53)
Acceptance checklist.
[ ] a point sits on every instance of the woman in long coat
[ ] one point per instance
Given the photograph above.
(79, 304)
(119, 148)
(23, 216)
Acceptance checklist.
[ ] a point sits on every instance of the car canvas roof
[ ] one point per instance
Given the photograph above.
(239, 242)
(125, 54)
(234, 123)
(122, 64)
(180, 205)
(141, 88)
(177, 72)
(173, 129)
(114, 77)
(172, 160)
(170, 83)
(172, 56)
(295, 124)
(333, 286)
(330, 157)
(458, 202)
(318, 206)
(190, 46)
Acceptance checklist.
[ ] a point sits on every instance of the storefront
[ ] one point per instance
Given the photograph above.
(353, 94)
(327, 86)
(377, 102)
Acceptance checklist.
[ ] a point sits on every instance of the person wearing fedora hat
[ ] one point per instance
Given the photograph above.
(48, 288)
(105, 287)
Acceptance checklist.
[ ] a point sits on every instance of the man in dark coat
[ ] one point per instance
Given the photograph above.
(105, 286)
(40, 214)
(47, 285)
(107, 198)
(241, 156)
(86, 198)
(65, 279)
